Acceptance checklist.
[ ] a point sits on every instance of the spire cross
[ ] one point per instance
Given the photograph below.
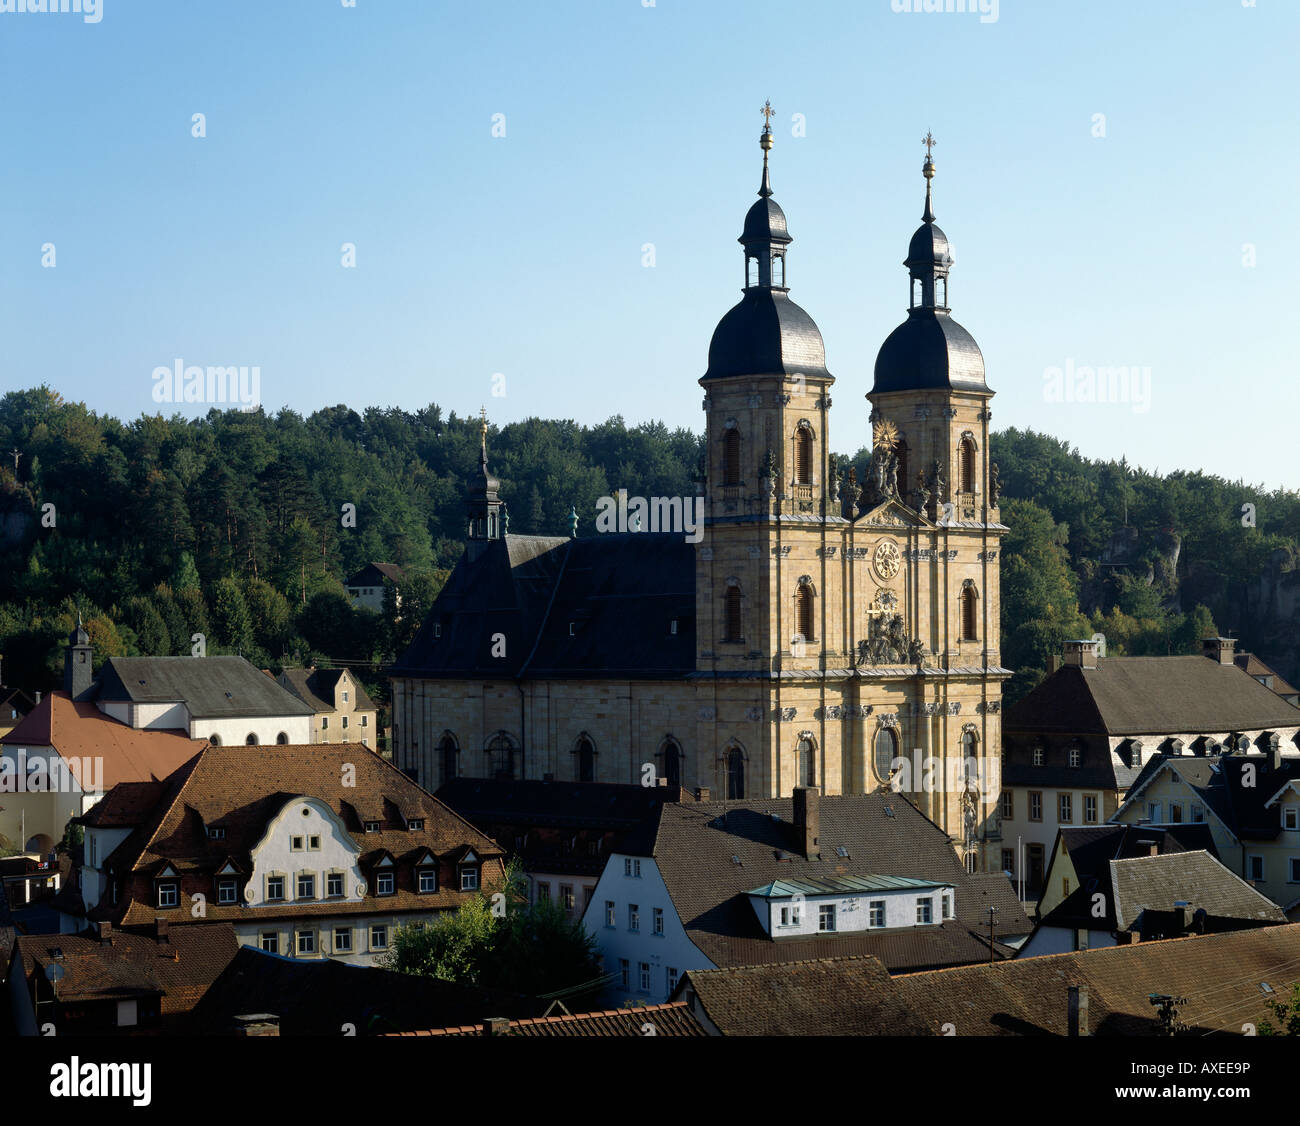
(929, 142)
(768, 113)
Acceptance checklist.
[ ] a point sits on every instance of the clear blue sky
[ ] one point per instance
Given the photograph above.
(628, 125)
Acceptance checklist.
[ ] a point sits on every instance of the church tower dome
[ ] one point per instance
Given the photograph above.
(929, 350)
(767, 333)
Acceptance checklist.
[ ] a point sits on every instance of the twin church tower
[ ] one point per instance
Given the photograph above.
(824, 627)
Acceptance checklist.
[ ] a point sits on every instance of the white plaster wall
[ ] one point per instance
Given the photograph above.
(1060, 940)
(42, 812)
(274, 854)
(674, 948)
(851, 912)
(267, 728)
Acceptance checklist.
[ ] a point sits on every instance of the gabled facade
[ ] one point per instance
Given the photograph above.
(1250, 803)
(328, 869)
(366, 587)
(343, 709)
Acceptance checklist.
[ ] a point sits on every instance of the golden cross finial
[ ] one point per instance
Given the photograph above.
(482, 413)
(768, 113)
(929, 142)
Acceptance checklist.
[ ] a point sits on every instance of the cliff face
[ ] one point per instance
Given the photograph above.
(1268, 613)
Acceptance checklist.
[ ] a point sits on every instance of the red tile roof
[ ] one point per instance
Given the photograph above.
(672, 1019)
(80, 731)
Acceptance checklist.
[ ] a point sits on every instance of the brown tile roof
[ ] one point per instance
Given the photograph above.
(1156, 883)
(825, 997)
(1150, 696)
(240, 788)
(881, 834)
(181, 968)
(1220, 975)
(80, 731)
(672, 1019)
(1255, 667)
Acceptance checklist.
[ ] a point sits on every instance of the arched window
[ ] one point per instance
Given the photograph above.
(916, 292)
(501, 757)
(672, 763)
(731, 457)
(751, 271)
(970, 766)
(807, 763)
(735, 773)
(966, 466)
(449, 756)
(282, 738)
(969, 614)
(941, 292)
(252, 739)
(731, 615)
(886, 752)
(586, 760)
(778, 269)
(805, 618)
(803, 456)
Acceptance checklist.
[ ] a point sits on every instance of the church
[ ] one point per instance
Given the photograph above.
(820, 631)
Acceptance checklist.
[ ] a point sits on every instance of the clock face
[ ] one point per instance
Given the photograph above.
(886, 560)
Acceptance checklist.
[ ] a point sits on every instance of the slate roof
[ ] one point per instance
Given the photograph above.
(1220, 975)
(241, 788)
(533, 588)
(210, 687)
(318, 688)
(1150, 696)
(817, 997)
(79, 731)
(673, 1019)
(1218, 781)
(883, 834)
(180, 968)
(317, 997)
(15, 700)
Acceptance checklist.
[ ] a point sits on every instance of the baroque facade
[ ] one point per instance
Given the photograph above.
(823, 628)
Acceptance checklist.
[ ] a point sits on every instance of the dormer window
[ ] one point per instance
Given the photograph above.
(415, 824)
(384, 884)
(227, 891)
(169, 893)
(1075, 756)
(428, 878)
(1291, 817)
(372, 826)
(216, 833)
(1038, 756)
(469, 876)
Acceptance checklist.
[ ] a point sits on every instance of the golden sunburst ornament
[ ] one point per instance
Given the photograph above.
(884, 434)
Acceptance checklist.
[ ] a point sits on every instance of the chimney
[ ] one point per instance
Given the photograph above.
(1082, 653)
(1153, 849)
(807, 819)
(1220, 650)
(1053, 663)
(257, 1024)
(106, 934)
(160, 929)
(703, 793)
(1078, 1010)
(38, 698)
(496, 1026)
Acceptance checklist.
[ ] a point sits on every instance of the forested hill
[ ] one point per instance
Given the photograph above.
(232, 525)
